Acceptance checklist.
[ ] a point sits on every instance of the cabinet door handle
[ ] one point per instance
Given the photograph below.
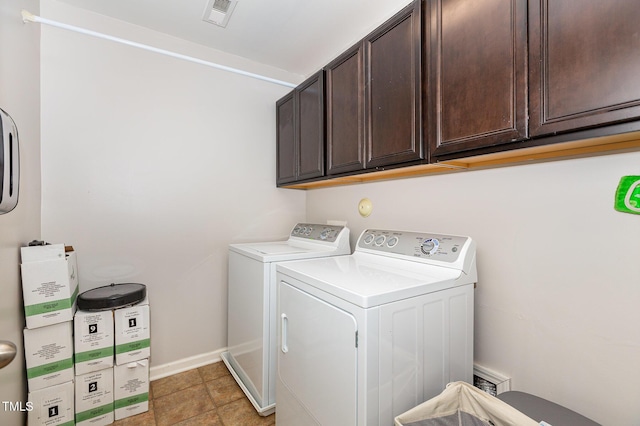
(285, 326)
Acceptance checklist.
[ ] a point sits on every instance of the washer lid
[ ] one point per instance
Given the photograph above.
(369, 280)
(278, 251)
(111, 297)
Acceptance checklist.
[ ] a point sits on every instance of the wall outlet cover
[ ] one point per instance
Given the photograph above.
(628, 195)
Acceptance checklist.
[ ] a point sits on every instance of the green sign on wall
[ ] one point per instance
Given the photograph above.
(628, 195)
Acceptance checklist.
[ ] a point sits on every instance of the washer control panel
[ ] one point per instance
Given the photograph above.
(316, 232)
(444, 248)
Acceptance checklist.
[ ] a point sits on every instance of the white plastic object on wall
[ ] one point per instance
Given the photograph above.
(365, 207)
(9, 163)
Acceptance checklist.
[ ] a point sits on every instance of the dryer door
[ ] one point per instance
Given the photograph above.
(317, 360)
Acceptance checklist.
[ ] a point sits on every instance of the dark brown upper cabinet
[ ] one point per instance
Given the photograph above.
(584, 58)
(468, 80)
(285, 140)
(373, 98)
(300, 126)
(311, 127)
(345, 112)
(477, 87)
(393, 90)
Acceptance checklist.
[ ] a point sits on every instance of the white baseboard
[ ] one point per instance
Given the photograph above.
(171, 368)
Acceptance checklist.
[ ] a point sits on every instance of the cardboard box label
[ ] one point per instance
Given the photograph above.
(53, 305)
(132, 333)
(94, 340)
(94, 398)
(52, 406)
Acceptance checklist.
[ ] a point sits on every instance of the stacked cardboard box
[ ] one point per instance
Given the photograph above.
(131, 388)
(49, 284)
(52, 405)
(93, 343)
(132, 347)
(94, 398)
(87, 367)
(133, 335)
(50, 288)
(105, 391)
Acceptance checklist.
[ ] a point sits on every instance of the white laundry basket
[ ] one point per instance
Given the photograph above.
(461, 404)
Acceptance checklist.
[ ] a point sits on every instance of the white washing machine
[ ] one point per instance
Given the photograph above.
(363, 338)
(251, 333)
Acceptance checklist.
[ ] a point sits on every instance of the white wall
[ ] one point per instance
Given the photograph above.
(20, 97)
(558, 291)
(152, 166)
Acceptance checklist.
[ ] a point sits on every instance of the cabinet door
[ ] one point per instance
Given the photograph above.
(310, 130)
(477, 85)
(285, 136)
(393, 73)
(584, 63)
(345, 112)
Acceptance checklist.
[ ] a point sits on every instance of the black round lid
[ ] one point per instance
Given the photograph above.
(111, 297)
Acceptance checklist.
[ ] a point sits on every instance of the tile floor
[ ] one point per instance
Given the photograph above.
(203, 396)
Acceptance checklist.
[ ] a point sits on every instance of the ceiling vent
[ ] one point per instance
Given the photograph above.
(218, 12)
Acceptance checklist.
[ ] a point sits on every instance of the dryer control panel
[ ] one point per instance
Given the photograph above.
(440, 247)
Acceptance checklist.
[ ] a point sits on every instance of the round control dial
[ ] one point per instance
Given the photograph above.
(392, 242)
(368, 238)
(380, 239)
(430, 246)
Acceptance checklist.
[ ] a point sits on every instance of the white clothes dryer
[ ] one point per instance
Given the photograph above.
(251, 333)
(365, 337)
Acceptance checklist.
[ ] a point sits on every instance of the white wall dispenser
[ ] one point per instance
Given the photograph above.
(9, 163)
